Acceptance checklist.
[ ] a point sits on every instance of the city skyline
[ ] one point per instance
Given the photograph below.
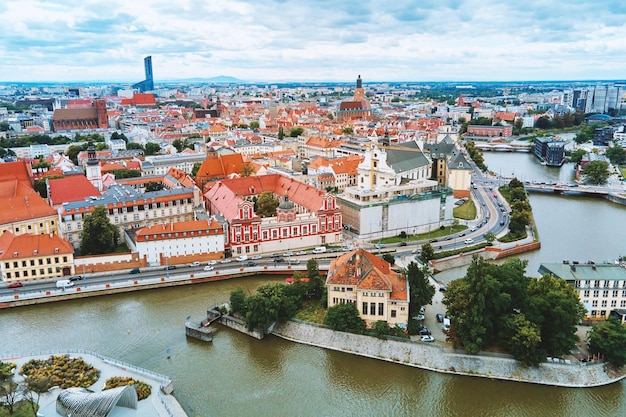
(303, 40)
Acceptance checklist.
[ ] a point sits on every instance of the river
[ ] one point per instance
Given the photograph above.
(238, 376)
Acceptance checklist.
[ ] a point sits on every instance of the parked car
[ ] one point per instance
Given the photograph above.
(14, 285)
(255, 257)
(134, 271)
(402, 244)
(288, 253)
(301, 252)
(424, 332)
(194, 263)
(242, 258)
(427, 338)
(443, 288)
(473, 229)
(209, 268)
(419, 317)
(275, 255)
(276, 260)
(212, 263)
(469, 241)
(251, 263)
(439, 318)
(226, 261)
(170, 267)
(76, 278)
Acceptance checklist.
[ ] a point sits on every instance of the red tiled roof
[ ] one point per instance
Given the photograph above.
(179, 230)
(71, 188)
(19, 170)
(26, 244)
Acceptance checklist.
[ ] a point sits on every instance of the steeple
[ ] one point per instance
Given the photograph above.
(359, 83)
(359, 93)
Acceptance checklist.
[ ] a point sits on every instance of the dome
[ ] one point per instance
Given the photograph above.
(286, 204)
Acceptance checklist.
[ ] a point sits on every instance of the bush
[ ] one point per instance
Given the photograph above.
(62, 371)
(143, 390)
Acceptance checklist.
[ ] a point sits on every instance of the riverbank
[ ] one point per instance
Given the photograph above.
(436, 358)
(160, 403)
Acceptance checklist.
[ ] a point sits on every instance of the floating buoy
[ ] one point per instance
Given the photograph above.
(128, 331)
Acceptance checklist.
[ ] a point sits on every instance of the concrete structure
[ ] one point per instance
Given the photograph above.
(368, 282)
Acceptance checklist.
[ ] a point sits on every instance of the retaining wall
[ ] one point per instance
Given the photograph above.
(433, 357)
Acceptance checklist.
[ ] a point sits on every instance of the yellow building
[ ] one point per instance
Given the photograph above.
(367, 281)
(29, 257)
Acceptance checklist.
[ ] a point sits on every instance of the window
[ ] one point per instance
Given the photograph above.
(605, 293)
(615, 292)
(381, 309)
(603, 303)
(364, 308)
(586, 293)
(596, 293)
(594, 303)
(372, 308)
(393, 314)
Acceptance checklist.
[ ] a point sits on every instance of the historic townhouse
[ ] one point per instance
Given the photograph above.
(368, 282)
(306, 217)
(194, 240)
(129, 208)
(28, 257)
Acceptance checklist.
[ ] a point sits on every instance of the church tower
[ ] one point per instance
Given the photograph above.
(359, 93)
(93, 169)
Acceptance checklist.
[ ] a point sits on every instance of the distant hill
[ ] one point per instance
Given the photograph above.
(220, 79)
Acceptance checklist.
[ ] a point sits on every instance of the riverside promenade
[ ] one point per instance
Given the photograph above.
(437, 358)
(158, 404)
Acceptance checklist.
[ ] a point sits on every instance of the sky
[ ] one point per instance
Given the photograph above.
(313, 40)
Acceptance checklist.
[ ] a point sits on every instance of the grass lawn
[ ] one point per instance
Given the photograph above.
(21, 409)
(466, 211)
(312, 311)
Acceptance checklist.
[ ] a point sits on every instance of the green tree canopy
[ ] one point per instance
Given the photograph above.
(126, 173)
(422, 291)
(254, 125)
(294, 132)
(344, 317)
(152, 148)
(577, 155)
(266, 204)
(428, 252)
(238, 301)
(196, 168)
(616, 154)
(609, 339)
(154, 186)
(135, 145)
(596, 172)
(99, 235)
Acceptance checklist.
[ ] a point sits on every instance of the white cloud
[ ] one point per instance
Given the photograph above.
(419, 40)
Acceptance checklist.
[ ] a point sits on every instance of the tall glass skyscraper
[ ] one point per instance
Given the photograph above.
(148, 83)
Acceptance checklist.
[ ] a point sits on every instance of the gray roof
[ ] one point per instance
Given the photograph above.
(81, 402)
(458, 161)
(401, 160)
(123, 193)
(586, 272)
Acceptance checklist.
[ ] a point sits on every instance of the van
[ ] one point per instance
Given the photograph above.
(320, 249)
(134, 271)
(64, 283)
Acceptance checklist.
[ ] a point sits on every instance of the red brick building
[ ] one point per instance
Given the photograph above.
(92, 117)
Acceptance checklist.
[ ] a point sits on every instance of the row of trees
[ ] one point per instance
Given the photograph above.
(476, 155)
(277, 302)
(521, 211)
(497, 305)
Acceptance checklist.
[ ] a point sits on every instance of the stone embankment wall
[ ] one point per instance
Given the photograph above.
(490, 252)
(436, 358)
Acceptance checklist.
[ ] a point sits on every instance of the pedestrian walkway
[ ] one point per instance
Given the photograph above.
(158, 404)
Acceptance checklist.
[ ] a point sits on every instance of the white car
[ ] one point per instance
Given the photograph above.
(242, 258)
(212, 263)
(301, 252)
(290, 253)
(469, 240)
(427, 338)
(226, 261)
(255, 257)
(209, 268)
(194, 263)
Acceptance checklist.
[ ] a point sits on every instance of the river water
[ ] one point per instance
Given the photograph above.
(239, 376)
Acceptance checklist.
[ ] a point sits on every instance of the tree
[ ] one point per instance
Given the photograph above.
(9, 394)
(388, 257)
(489, 237)
(260, 312)
(32, 388)
(554, 305)
(154, 186)
(238, 301)
(616, 154)
(609, 339)
(73, 151)
(196, 168)
(98, 235)
(316, 283)
(585, 134)
(422, 291)
(577, 156)
(254, 125)
(134, 145)
(596, 172)
(344, 317)
(247, 169)
(525, 341)
(152, 148)
(281, 133)
(126, 173)
(347, 130)
(428, 252)
(266, 205)
(294, 132)
(180, 145)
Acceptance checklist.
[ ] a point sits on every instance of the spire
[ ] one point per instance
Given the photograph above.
(359, 83)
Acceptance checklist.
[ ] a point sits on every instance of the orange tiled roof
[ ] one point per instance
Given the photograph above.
(179, 230)
(26, 244)
(19, 170)
(71, 188)
(367, 272)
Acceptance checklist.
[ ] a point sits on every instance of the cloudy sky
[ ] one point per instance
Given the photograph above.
(313, 40)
